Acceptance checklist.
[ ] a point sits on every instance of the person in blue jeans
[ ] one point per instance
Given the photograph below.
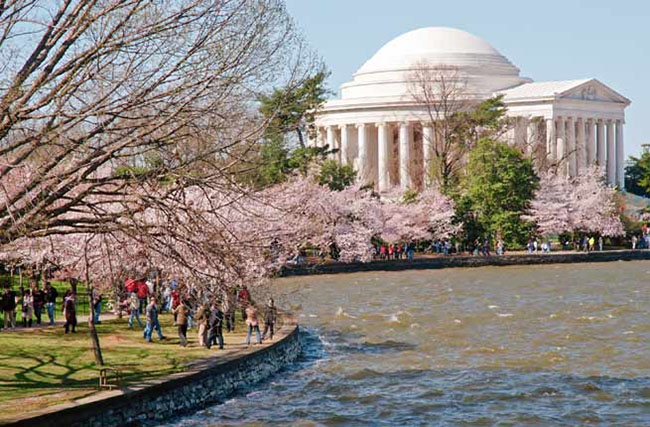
(134, 305)
(253, 324)
(50, 300)
(97, 305)
(152, 321)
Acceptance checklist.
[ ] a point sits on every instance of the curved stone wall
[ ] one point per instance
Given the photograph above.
(427, 263)
(183, 392)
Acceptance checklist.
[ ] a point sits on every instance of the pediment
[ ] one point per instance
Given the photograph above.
(593, 90)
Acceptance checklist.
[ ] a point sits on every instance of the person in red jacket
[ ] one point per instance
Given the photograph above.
(130, 285)
(176, 300)
(244, 299)
(143, 293)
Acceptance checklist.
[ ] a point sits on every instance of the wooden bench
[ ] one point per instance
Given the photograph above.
(104, 378)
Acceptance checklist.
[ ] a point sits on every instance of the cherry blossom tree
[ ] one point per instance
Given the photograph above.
(104, 100)
(429, 216)
(583, 203)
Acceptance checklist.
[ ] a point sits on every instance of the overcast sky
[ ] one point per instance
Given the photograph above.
(547, 40)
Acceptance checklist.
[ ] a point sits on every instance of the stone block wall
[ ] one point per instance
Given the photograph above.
(454, 261)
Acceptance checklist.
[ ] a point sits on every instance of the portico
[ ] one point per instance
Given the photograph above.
(389, 138)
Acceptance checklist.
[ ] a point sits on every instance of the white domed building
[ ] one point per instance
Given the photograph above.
(382, 127)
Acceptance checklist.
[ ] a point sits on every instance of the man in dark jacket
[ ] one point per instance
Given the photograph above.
(50, 300)
(216, 327)
(152, 321)
(270, 317)
(39, 302)
(8, 303)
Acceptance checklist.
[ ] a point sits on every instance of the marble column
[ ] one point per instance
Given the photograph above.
(611, 153)
(519, 134)
(532, 137)
(331, 140)
(571, 146)
(345, 144)
(404, 156)
(591, 142)
(383, 130)
(551, 143)
(600, 140)
(561, 141)
(427, 149)
(320, 137)
(620, 156)
(581, 145)
(362, 165)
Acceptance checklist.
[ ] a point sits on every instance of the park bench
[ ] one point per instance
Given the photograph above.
(104, 377)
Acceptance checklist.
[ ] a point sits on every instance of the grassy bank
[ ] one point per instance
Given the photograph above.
(40, 368)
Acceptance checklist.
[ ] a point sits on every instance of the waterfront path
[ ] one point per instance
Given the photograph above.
(425, 262)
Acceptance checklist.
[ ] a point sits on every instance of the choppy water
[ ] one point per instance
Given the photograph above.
(543, 345)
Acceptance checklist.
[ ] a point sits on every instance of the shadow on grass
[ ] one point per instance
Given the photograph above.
(40, 374)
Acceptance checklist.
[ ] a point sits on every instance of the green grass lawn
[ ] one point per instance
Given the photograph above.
(39, 368)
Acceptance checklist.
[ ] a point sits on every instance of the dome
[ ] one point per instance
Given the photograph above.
(437, 45)
(386, 74)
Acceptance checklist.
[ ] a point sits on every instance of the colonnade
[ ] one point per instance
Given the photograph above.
(577, 142)
(387, 154)
(390, 154)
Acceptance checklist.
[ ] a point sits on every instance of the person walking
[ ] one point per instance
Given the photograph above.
(253, 324)
(70, 312)
(152, 321)
(182, 312)
(50, 300)
(8, 305)
(244, 300)
(203, 319)
(27, 308)
(38, 298)
(270, 317)
(216, 327)
(143, 293)
(230, 309)
(134, 310)
(96, 299)
(175, 300)
(600, 243)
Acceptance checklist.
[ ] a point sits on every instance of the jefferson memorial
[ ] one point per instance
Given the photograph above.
(387, 134)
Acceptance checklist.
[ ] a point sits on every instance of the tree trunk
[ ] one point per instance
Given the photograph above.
(94, 338)
(301, 140)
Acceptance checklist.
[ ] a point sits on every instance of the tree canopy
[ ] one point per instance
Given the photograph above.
(637, 175)
(291, 109)
(497, 185)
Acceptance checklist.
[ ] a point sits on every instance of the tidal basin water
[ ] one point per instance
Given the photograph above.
(534, 345)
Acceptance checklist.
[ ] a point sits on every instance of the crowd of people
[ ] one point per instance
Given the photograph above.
(487, 246)
(395, 251)
(143, 301)
(211, 315)
(30, 302)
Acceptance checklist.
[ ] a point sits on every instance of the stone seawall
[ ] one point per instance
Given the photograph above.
(201, 386)
(453, 261)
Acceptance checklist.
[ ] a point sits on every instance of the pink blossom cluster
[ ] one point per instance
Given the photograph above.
(220, 235)
(582, 203)
(429, 216)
